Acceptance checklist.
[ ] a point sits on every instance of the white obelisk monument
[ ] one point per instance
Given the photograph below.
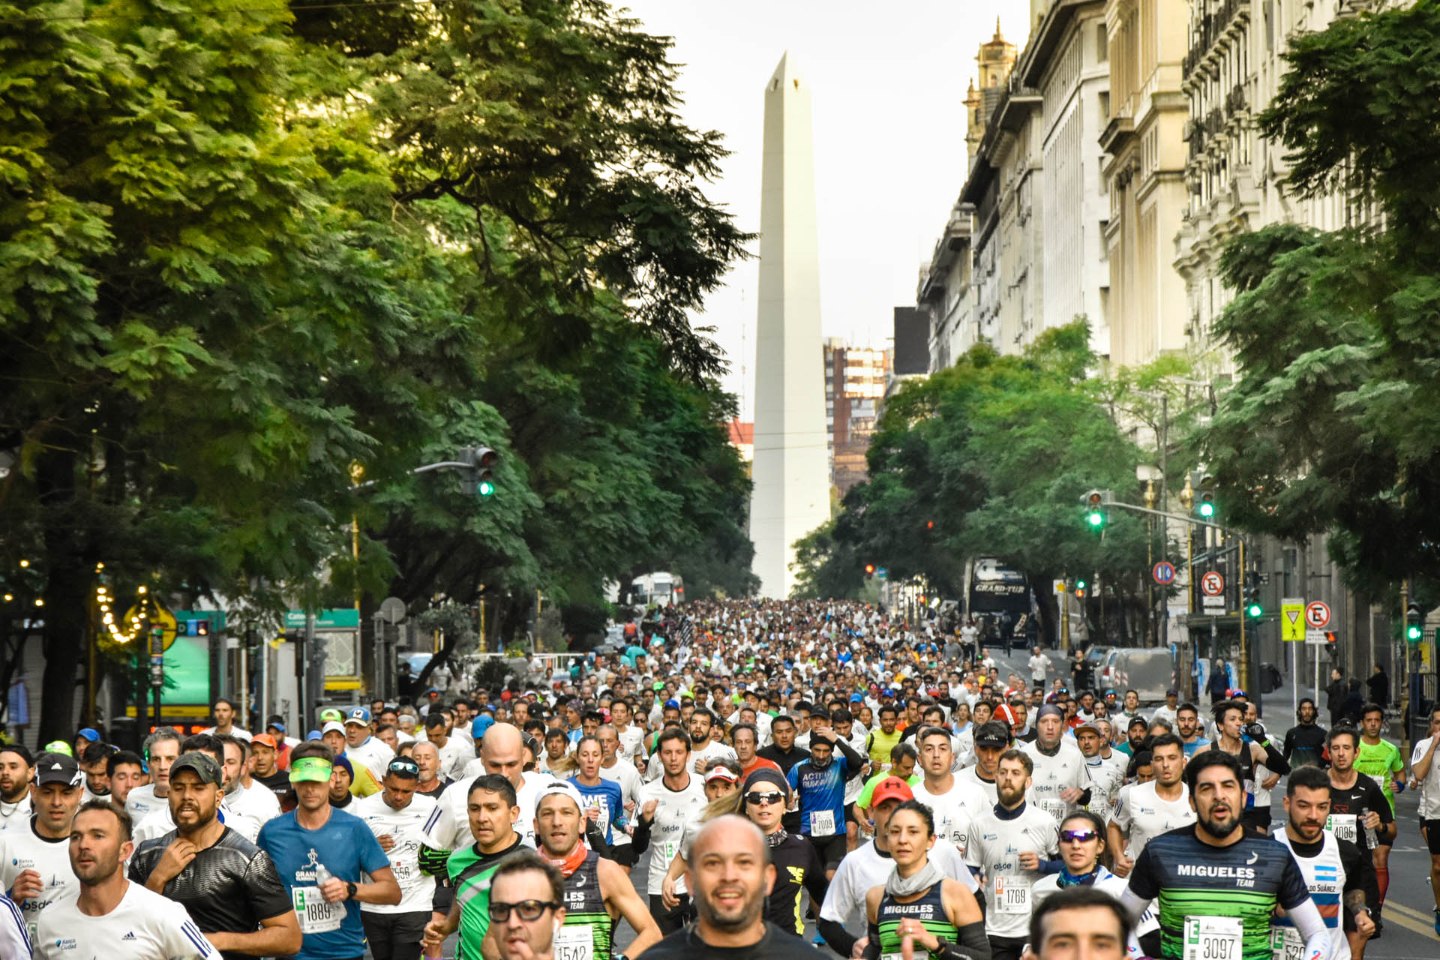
(791, 467)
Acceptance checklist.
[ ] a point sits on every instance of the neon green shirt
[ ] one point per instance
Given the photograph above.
(1380, 762)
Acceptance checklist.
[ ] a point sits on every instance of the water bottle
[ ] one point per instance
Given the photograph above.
(322, 876)
(1371, 843)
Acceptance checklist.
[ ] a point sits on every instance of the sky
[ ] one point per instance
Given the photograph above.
(888, 86)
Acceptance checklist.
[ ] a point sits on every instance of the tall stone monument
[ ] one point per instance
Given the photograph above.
(791, 468)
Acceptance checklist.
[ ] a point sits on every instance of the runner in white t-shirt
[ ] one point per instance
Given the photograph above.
(35, 862)
(397, 816)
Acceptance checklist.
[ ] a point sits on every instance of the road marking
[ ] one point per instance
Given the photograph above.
(1410, 919)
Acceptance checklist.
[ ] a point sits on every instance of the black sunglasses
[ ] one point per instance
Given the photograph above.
(764, 799)
(529, 910)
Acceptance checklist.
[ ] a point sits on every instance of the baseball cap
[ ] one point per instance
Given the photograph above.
(58, 768)
(857, 698)
(264, 739)
(310, 770)
(89, 733)
(334, 725)
(563, 788)
(891, 788)
(721, 773)
(657, 685)
(202, 764)
(331, 713)
(992, 735)
(1172, 692)
(403, 767)
(359, 715)
(58, 746)
(1090, 725)
(672, 704)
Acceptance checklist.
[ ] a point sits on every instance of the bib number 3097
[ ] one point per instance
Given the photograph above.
(1213, 938)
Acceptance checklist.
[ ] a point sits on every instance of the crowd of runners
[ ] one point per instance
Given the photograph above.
(779, 778)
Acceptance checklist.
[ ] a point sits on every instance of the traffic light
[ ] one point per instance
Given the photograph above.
(1414, 623)
(1254, 609)
(1205, 506)
(1094, 502)
(479, 478)
(1079, 589)
(869, 569)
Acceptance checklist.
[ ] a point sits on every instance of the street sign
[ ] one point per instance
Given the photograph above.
(1213, 603)
(1212, 584)
(1317, 614)
(1059, 587)
(159, 617)
(1164, 573)
(1292, 624)
(1316, 637)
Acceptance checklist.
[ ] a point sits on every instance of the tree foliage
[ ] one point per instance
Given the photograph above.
(249, 248)
(989, 458)
(1331, 424)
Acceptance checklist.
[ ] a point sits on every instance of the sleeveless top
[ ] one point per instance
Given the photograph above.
(1325, 877)
(929, 909)
(588, 928)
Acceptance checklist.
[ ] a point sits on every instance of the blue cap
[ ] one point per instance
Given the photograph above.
(480, 724)
(313, 735)
(89, 733)
(856, 698)
(344, 761)
(672, 704)
(359, 715)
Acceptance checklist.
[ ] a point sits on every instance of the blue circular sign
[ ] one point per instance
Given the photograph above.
(1164, 573)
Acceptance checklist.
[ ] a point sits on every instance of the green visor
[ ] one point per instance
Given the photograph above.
(311, 770)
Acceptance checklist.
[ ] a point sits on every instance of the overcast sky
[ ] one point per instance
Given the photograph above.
(888, 86)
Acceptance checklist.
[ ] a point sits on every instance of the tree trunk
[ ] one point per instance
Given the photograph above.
(69, 574)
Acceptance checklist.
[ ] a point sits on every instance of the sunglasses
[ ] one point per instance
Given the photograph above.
(764, 799)
(529, 910)
(1078, 836)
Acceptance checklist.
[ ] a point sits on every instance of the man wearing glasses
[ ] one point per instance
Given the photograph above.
(525, 910)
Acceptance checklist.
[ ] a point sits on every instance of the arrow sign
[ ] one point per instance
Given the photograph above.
(1317, 615)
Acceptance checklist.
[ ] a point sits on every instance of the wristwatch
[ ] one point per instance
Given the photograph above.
(351, 889)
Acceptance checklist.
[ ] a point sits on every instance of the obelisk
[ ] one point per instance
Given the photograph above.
(791, 468)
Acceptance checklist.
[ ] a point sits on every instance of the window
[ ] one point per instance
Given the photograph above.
(1102, 44)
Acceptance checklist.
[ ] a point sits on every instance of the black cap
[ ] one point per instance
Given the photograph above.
(58, 768)
(202, 764)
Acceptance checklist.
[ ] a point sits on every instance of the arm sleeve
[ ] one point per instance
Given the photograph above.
(851, 757)
(872, 946)
(1312, 928)
(14, 939)
(640, 839)
(183, 939)
(836, 936)
(1134, 904)
(973, 943)
(1274, 760)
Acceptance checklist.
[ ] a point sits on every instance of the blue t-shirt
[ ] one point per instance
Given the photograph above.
(821, 791)
(348, 849)
(607, 797)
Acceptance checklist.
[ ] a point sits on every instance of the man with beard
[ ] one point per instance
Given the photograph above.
(242, 794)
(1060, 783)
(1007, 846)
(1146, 810)
(161, 822)
(1340, 877)
(820, 784)
(1358, 811)
(111, 915)
(1105, 776)
(265, 765)
(597, 892)
(1305, 742)
(492, 810)
(730, 872)
(228, 885)
(16, 769)
(1217, 886)
(869, 865)
(34, 864)
(1187, 726)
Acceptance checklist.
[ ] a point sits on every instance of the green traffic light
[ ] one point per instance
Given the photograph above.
(1095, 518)
(1207, 509)
(485, 488)
(1413, 633)
(1254, 611)
(1079, 584)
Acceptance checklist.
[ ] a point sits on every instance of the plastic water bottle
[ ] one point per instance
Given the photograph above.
(322, 875)
(1370, 840)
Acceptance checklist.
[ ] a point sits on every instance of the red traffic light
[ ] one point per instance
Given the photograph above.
(869, 569)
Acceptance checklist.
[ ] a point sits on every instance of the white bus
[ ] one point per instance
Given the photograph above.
(658, 588)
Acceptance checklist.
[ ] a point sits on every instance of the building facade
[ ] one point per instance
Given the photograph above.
(855, 382)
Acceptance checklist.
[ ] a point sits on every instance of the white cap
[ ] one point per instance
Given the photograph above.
(563, 788)
(333, 725)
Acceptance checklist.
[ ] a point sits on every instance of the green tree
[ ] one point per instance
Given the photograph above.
(1331, 422)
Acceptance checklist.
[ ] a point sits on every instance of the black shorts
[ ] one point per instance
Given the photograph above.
(1432, 836)
(1385, 841)
(623, 854)
(1257, 817)
(831, 850)
(850, 815)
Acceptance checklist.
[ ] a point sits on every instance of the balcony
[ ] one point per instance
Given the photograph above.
(1210, 29)
(1236, 101)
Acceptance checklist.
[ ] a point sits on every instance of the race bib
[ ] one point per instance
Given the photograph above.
(603, 820)
(667, 851)
(1285, 943)
(316, 914)
(1012, 894)
(574, 942)
(822, 823)
(1054, 806)
(1213, 938)
(1344, 825)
